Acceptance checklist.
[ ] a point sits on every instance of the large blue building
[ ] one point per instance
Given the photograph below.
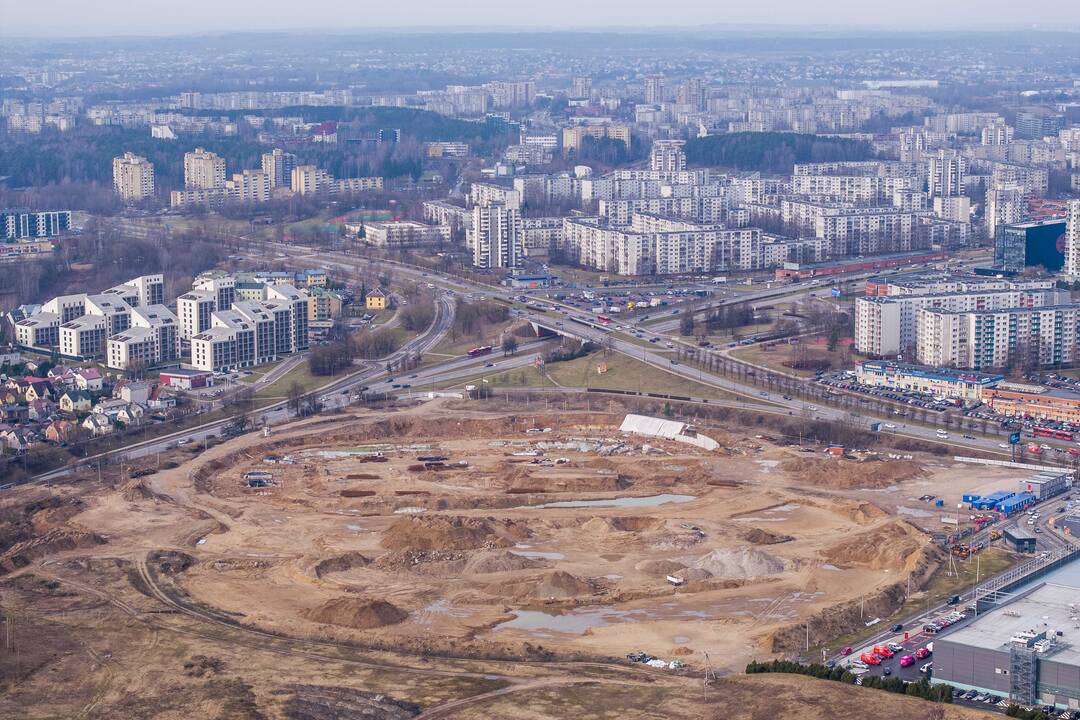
(1030, 244)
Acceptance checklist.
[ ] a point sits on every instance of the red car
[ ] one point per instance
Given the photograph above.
(847, 651)
(907, 660)
(870, 659)
(883, 651)
(922, 653)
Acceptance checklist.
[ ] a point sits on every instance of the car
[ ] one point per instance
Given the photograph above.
(1038, 529)
(922, 653)
(490, 364)
(787, 397)
(926, 668)
(884, 651)
(907, 660)
(954, 600)
(673, 361)
(886, 671)
(968, 437)
(185, 441)
(1004, 445)
(847, 651)
(895, 647)
(896, 628)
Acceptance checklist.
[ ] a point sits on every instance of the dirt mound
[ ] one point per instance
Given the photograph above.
(757, 536)
(318, 702)
(740, 563)
(504, 561)
(524, 482)
(637, 524)
(846, 474)
(681, 651)
(358, 613)
(441, 533)
(893, 546)
(341, 563)
(25, 552)
(691, 574)
(659, 567)
(137, 489)
(560, 584)
(863, 513)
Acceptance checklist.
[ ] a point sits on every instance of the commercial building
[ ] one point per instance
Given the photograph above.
(1035, 402)
(1047, 484)
(133, 177)
(1023, 650)
(960, 384)
(405, 233)
(21, 224)
(1030, 244)
(203, 170)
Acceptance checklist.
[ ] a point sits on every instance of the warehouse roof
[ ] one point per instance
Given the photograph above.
(1049, 608)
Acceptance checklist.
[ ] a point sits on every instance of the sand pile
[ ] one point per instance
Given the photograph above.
(757, 536)
(560, 584)
(850, 474)
(659, 568)
(441, 533)
(894, 545)
(692, 574)
(341, 563)
(863, 513)
(561, 483)
(359, 613)
(23, 553)
(137, 489)
(740, 563)
(499, 561)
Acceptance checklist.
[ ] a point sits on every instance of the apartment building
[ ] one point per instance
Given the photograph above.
(21, 224)
(203, 170)
(457, 218)
(309, 180)
(572, 137)
(888, 326)
(496, 237)
(253, 332)
(83, 337)
(40, 331)
(947, 170)
(851, 230)
(249, 186)
(133, 177)
(278, 166)
(654, 245)
(1030, 337)
(194, 310)
(152, 339)
(667, 156)
(1072, 240)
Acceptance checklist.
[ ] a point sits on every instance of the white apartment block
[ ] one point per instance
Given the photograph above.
(278, 166)
(667, 156)
(1020, 337)
(253, 332)
(541, 234)
(653, 245)
(203, 170)
(484, 194)
(997, 133)
(437, 212)
(1072, 240)
(84, 337)
(854, 231)
(133, 177)
(152, 339)
(40, 331)
(496, 237)
(947, 170)
(854, 189)
(888, 326)
(309, 180)
(194, 310)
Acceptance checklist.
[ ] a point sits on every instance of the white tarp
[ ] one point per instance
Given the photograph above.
(669, 429)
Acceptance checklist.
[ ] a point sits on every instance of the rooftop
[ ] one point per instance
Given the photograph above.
(1049, 608)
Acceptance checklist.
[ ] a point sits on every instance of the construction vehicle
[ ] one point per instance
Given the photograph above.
(995, 534)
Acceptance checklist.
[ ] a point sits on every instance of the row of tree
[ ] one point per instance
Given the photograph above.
(920, 688)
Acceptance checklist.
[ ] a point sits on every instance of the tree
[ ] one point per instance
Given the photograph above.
(509, 345)
(686, 323)
(294, 395)
(834, 338)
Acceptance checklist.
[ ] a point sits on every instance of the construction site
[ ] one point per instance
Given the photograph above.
(436, 558)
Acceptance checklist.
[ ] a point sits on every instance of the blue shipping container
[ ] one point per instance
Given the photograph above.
(939, 503)
(970, 498)
(1017, 502)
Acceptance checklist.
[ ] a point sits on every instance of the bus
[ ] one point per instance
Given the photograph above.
(1051, 433)
(478, 351)
(603, 319)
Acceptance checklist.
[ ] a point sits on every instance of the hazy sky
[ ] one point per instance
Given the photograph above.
(170, 17)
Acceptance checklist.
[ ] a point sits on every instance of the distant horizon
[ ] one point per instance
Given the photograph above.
(78, 19)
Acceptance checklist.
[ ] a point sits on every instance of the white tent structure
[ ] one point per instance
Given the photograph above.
(667, 429)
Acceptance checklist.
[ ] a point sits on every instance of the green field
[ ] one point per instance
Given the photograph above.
(622, 373)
